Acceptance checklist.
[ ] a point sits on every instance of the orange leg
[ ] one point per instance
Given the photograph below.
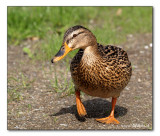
(80, 108)
(110, 118)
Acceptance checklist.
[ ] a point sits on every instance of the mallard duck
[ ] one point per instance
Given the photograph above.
(100, 71)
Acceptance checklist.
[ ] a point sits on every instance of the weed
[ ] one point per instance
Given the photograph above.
(20, 84)
(150, 128)
(14, 95)
(62, 83)
(137, 97)
(28, 52)
(26, 83)
(149, 69)
(55, 119)
(29, 107)
(23, 81)
(70, 89)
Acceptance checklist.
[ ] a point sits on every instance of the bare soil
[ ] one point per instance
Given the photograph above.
(34, 104)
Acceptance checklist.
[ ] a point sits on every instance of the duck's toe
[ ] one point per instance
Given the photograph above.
(108, 120)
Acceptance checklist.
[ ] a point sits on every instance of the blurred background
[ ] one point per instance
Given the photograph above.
(48, 25)
(41, 94)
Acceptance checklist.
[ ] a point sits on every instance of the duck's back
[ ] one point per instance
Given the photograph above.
(115, 56)
(107, 76)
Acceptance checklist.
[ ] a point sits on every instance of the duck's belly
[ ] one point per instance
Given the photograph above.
(98, 85)
(100, 92)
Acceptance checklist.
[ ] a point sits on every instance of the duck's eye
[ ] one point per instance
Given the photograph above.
(62, 48)
(74, 35)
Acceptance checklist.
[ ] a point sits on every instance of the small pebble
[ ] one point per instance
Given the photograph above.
(146, 47)
(91, 21)
(135, 66)
(63, 125)
(16, 127)
(150, 44)
(127, 88)
(130, 35)
(20, 112)
(141, 51)
(139, 80)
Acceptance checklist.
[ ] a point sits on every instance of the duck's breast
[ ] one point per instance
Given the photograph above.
(100, 78)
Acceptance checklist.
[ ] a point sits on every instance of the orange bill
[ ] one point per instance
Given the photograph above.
(65, 49)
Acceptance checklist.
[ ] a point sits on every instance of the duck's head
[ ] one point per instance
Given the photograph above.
(77, 37)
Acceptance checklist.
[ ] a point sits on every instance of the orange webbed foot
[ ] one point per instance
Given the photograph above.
(108, 120)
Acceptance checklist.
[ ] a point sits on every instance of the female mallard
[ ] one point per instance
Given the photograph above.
(101, 71)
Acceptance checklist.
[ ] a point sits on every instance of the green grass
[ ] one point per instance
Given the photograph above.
(64, 83)
(20, 84)
(50, 23)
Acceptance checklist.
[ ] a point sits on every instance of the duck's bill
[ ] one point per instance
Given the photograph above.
(64, 50)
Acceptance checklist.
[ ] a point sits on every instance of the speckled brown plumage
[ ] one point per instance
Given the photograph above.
(107, 76)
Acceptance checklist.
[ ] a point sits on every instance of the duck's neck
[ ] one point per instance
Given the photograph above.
(91, 54)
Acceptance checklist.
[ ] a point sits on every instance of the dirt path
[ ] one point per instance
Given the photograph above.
(34, 104)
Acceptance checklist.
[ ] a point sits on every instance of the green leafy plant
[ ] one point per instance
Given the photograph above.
(28, 52)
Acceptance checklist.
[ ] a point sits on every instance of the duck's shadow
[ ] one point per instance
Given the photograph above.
(95, 108)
